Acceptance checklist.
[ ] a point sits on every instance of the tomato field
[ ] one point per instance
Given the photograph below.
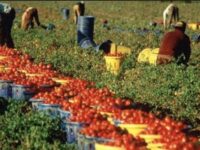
(165, 97)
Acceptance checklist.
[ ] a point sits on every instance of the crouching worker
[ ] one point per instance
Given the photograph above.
(175, 44)
(7, 16)
(27, 18)
(79, 10)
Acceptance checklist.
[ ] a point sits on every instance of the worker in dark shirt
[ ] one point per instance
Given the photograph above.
(175, 44)
(7, 16)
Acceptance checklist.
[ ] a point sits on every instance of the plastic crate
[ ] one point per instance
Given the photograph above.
(50, 109)
(46, 88)
(5, 89)
(35, 102)
(64, 114)
(71, 129)
(20, 92)
(88, 143)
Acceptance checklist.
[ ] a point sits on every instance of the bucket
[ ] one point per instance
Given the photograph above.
(5, 89)
(105, 46)
(65, 13)
(85, 28)
(87, 43)
(113, 63)
(50, 27)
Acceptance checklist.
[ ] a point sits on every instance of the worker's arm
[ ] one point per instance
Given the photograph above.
(36, 17)
(187, 50)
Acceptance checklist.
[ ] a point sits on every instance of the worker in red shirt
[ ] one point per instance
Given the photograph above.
(175, 44)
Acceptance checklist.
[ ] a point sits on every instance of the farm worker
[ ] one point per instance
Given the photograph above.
(7, 16)
(28, 16)
(175, 44)
(79, 10)
(169, 14)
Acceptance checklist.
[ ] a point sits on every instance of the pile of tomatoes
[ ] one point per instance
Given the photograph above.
(89, 105)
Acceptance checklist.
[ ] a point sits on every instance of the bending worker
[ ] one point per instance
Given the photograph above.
(7, 16)
(79, 10)
(169, 14)
(175, 44)
(28, 16)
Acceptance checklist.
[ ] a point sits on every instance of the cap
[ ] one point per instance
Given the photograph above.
(180, 24)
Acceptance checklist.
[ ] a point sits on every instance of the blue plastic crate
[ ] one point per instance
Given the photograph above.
(50, 109)
(20, 92)
(64, 114)
(35, 102)
(5, 89)
(71, 129)
(88, 143)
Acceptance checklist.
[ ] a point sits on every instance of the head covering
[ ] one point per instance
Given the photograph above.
(5, 8)
(180, 25)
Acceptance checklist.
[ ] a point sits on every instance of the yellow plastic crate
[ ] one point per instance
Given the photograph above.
(23, 71)
(3, 57)
(106, 113)
(107, 147)
(193, 26)
(33, 74)
(2, 68)
(119, 49)
(150, 137)
(61, 81)
(144, 55)
(113, 63)
(155, 146)
(134, 129)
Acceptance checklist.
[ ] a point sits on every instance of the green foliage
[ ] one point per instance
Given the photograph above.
(23, 128)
